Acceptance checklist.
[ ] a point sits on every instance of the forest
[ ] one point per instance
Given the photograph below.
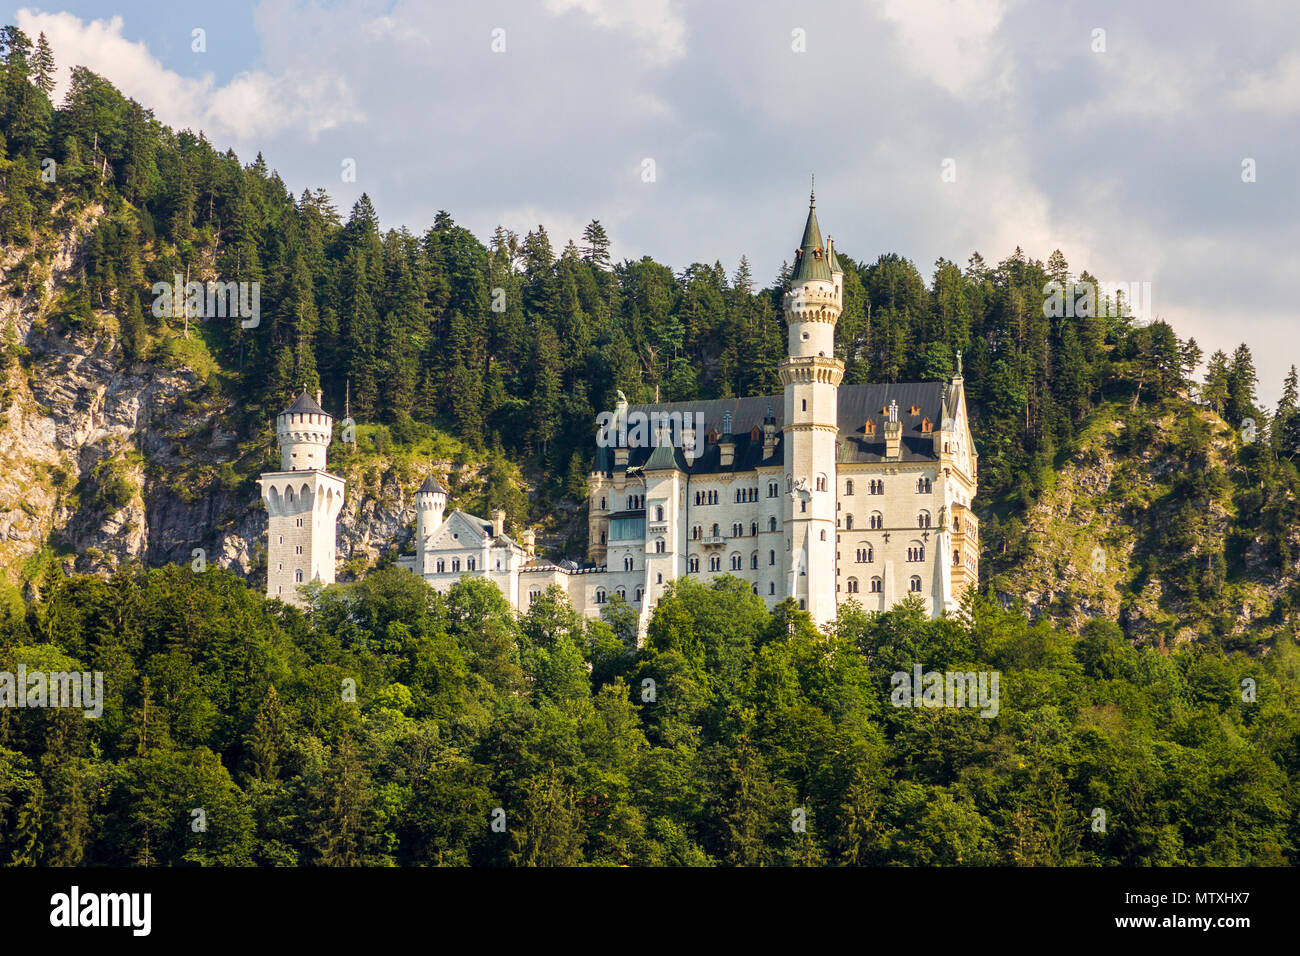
(390, 725)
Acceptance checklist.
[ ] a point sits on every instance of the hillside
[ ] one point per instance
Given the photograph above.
(135, 435)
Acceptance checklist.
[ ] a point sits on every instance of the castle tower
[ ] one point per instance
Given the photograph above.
(302, 501)
(811, 375)
(430, 507)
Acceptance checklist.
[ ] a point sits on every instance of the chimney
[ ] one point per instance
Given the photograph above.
(318, 396)
(893, 432)
(769, 433)
(498, 523)
(689, 433)
(530, 543)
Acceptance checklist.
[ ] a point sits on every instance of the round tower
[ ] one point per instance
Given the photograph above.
(430, 503)
(811, 375)
(304, 431)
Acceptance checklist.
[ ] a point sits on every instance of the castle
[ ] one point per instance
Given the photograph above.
(823, 494)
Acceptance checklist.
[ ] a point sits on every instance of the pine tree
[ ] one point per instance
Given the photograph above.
(596, 248)
(43, 66)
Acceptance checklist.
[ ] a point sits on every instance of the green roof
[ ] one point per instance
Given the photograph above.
(811, 262)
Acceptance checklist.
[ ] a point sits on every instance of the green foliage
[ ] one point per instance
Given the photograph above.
(734, 737)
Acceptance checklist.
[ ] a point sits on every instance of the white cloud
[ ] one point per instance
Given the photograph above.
(252, 104)
(655, 21)
(953, 43)
(1276, 92)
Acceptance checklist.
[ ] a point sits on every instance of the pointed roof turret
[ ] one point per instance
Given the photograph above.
(305, 404)
(431, 487)
(811, 261)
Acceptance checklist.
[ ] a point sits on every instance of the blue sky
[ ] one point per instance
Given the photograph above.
(1128, 158)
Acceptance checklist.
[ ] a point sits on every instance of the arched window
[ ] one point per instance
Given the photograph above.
(771, 524)
(877, 585)
(853, 585)
(627, 563)
(602, 504)
(442, 567)
(753, 560)
(923, 519)
(639, 592)
(716, 532)
(534, 594)
(737, 530)
(455, 565)
(848, 487)
(914, 584)
(753, 529)
(715, 563)
(916, 551)
(297, 576)
(771, 587)
(737, 562)
(659, 512)
(821, 482)
(469, 564)
(877, 520)
(772, 490)
(771, 558)
(600, 595)
(659, 545)
(693, 565)
(823, 534)
(696, 532)
(848, 522)
(621, 592)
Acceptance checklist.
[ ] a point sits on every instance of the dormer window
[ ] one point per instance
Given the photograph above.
(926, 427)
(870, 427)
(914, 411)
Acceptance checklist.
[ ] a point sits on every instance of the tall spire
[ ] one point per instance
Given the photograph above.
(811, 261)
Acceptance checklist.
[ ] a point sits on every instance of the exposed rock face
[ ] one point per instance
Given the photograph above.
(109, 461)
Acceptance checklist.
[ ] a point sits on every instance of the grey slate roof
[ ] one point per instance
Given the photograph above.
(812, 262)
(857, 403)
(304, 404)
(431, 486)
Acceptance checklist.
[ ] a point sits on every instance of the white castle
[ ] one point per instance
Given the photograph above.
(824, 494)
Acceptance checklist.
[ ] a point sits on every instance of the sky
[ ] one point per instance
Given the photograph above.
(1151, 143)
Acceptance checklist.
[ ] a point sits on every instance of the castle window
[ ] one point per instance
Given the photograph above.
(771, 587)
(923, 519)
(696, 532)
(877, 585)
(802, 604)
(469, 564)
(821, 482)
(848, 487)
(737, 562)
(923, 486)
(693, 565)
(771, 524)
(298, 549)
(772, 491)
(297, 575)
(602, 504)
(771, 558)
(914, 585)
(659, 579)
(442, 566)
(805, 404)
(715, 563)
(600, 595)
(621, 592)
(864, 555)
(803, 506)
(754, 588)
(753, 529)
(956, 558)
(848, 522)
(753, 560)
(639, 592)
(455, 565)
(659, 545)
(916, 551)
(737, 530)
(533, 595)
(853, 585)
(716, 533)
(602, 537)
(281, 539)
(659, 513)
(823, 534)
(877, 520)
(627, 563)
